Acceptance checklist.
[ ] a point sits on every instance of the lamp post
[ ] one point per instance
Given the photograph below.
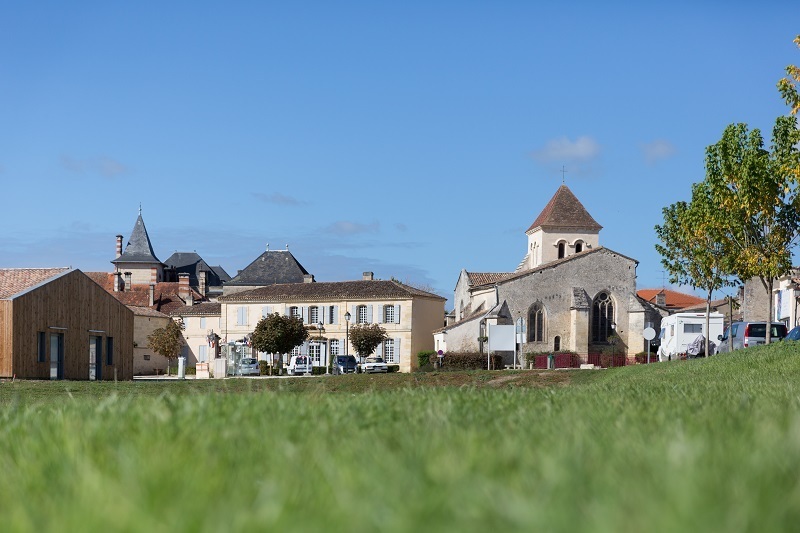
(319, 344)
(347, 333)
(613, 343)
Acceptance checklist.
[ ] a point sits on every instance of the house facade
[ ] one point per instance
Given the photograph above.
(59, 324)
(329, 309)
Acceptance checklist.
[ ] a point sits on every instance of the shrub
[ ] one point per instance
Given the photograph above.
(394, 368)
(263, 367)
(424, 357)
(470, 361)
(641, 357)
(318, 370)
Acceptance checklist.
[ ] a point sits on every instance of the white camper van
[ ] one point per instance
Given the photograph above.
(681, 329)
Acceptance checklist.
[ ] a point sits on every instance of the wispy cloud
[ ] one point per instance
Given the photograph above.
(657, 150)
(278, 199)
(347, 227)
(399, 226)
(104, 166)
(582, 149)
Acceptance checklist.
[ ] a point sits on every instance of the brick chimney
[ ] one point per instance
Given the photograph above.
(367, 276)
(661, 299)
(128, 282)
(184, 292)
(308, 278)
(119, 246)
(152, 298)
(153, 275)
(203, 282)
(117, 281)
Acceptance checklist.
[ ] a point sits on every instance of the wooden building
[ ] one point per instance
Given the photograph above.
(56, 323)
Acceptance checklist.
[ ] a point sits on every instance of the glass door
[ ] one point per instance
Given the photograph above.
(95, 357)
(56, 356)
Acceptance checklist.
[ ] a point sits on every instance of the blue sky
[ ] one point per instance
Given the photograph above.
(412, 139)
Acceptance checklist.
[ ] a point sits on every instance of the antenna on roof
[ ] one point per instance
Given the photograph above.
(663, 283)
(563, 172)
(140, 208)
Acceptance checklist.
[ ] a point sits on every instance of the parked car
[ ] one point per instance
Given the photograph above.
(373, 365)
(745, 334)
(346, 364)
(793, 335)
(249, 367)
(299, 364)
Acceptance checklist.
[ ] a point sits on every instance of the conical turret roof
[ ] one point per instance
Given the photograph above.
(139, 249)
(564, 210)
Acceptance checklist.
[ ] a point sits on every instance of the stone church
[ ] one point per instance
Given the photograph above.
(567, 294)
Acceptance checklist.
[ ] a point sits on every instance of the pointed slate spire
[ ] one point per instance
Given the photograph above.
(139, 249)
(564, 210)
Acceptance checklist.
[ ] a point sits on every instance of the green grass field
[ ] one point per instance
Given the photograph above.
(704, 445)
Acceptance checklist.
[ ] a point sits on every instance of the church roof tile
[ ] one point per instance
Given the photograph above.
(564, 210)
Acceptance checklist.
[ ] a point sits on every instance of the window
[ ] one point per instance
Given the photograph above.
(334, 347)
(294, 312)
(388, 314)
(602, 317)
(693, 328)
(202, 322)
(241, 316)
(202, 353)
(536, 323)
(314, 351)
(295, 350)
(41, 347)
(556, 343)
(561, 250)
(332, 314)
(146, 357)
(109, 351)
(361, 314)
(578, 247)
(313, 315)
(388, 351)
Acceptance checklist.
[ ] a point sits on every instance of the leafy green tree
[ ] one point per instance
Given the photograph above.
(167, 341)
(755, 195)
(694, 247)
(789, 86)
(278, 334)
(366, 337)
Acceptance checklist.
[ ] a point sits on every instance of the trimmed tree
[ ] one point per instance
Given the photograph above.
(278, 334)
(693, 247)
(755, 198)
(167, 341)
(366, 337)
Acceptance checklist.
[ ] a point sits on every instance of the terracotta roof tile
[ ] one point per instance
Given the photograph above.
(146, 311)
(673, 299)
(564, 210)
(15, 280)
(485, 278)
(201, 309)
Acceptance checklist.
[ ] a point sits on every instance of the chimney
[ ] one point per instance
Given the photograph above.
(184, 292)
(153, 275)
(661, 299)
(119, 246)
(127, 281)
(367, 276)
(117, 281)
(203, 281)
(308, 278)
(152, 298)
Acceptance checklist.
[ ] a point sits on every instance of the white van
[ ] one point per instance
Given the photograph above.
(680, 329)
(299, 364)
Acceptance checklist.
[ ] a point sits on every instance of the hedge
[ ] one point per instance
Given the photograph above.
(470, 361)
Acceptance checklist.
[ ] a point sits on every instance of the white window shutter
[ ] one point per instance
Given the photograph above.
(288, 311)
(397, 314)
(323, 310)
(369, 314)
(380, 314)
(335, 314)
(304, 314)
(397, 351)
(354, 314)
(379, 350)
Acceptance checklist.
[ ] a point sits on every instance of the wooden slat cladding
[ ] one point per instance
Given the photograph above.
(76, 306)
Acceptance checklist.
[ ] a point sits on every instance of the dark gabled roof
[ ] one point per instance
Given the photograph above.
(329, 291)
(192, 264)
(166, 296)
(16, 280)
(201, 309)
(139, 249)
(564, 210)
(270, 268)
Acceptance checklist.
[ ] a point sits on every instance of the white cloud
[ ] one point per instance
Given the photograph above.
(657, 150)
(346, 227)
(105, 166)
(564, 150)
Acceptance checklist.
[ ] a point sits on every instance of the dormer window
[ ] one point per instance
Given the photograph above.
(562, 250)
(578, 247)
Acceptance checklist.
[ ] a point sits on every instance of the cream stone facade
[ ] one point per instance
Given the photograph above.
(145, 360)
(408, 315)
(567, 294)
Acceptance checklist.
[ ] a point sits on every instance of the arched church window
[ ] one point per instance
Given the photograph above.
(602, 317)
(536, 323)
(556, 343)
(578, 247)
(562, 248)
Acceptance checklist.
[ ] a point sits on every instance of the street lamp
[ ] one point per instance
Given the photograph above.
(613, 343)
(319, 343)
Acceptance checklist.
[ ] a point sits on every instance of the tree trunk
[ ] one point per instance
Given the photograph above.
(768, 338)
(708, 313)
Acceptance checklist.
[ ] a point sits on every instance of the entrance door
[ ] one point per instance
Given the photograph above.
(56, 356)
(95, 357)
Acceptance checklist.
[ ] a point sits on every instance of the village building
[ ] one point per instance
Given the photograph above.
(56, 323)
(670, 300)
(567, 294)
(329, 309)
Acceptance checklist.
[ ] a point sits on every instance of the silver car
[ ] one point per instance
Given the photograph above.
(373, 365)
(745, 334)
(249, 367)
